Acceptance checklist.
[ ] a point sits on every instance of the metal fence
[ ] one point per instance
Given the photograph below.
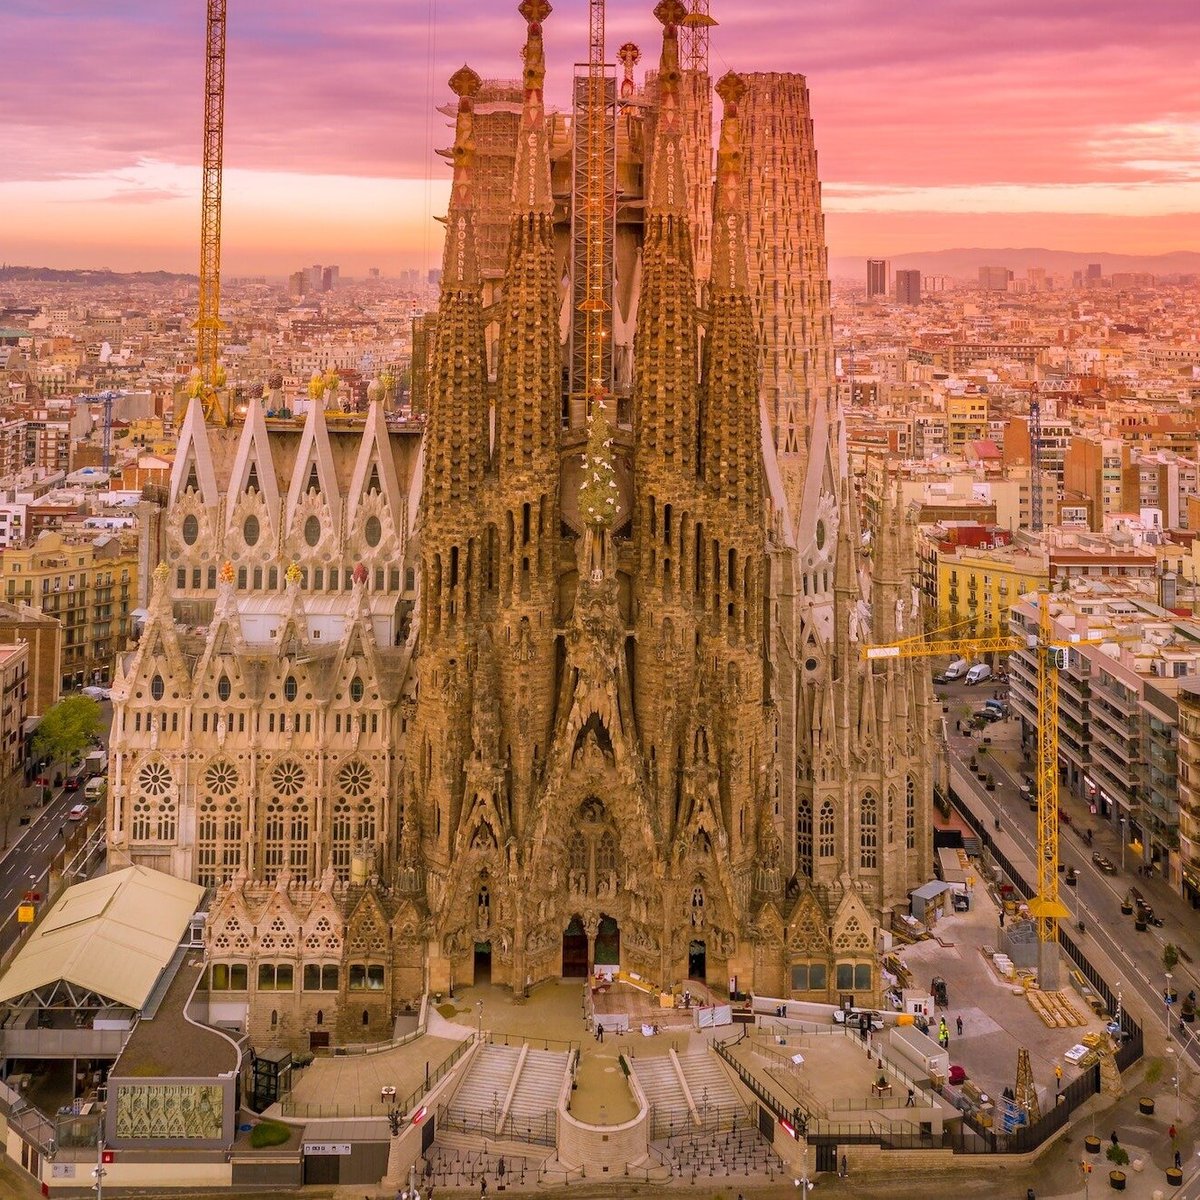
(539, 1130)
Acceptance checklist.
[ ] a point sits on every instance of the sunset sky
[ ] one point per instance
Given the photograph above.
(939, 123)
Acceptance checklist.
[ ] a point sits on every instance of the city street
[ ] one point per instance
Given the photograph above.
(25, 863)
(1096, 898)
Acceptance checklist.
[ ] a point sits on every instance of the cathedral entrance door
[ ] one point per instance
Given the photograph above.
(697, 961)
(483, 962)
(575, 950)
(608, 943)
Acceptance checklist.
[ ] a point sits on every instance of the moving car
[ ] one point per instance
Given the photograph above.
(78, 812)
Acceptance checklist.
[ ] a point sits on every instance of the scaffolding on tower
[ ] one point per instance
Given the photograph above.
(593, 221)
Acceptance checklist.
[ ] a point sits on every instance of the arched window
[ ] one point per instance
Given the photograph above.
(577, 853)
(285, 821)
(356, 689)
(606, 855)
(224, 688)
(290, 688)
(825, 830)
(868, 831)
(157, 688)
(910, 813)
(154, 804)
(190, 530)
(804, 836)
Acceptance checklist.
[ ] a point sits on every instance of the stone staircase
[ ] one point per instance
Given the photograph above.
(709, 1082)
(659, 1079)
(485, 1087)
(538, 1085)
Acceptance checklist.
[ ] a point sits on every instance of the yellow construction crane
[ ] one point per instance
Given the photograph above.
(209, 377)
(1046, 907)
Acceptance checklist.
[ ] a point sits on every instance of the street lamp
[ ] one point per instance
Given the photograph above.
(1167, 1006)
(479, 1014)
(1122, 820)
(1175, 1069)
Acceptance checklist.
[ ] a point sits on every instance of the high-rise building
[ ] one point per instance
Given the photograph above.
(908, 287)
(994, 279)
(628, 723)
(879, 277)
(1094, 273)
(329, 278)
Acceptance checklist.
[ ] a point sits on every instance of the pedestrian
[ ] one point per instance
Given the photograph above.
(1002, 906)
(1116, 1141)
(1172, 1132)
(958, 1023)
(61, 830)
(1057, 1079)
(845, 1168)
(909, 1102)
(600, 1030)
(483, 1186)
(1178, 1160)
(958, 726)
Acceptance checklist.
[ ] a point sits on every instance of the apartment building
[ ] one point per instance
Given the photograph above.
(1118, 708)
(14, 695)
(89, 583)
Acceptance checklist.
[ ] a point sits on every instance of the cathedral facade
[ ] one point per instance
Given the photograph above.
(569, 674)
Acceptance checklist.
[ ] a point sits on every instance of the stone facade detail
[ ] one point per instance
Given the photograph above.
(503, 696)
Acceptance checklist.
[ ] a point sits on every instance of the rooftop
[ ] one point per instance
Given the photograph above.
(169, 1045)
(112, 936)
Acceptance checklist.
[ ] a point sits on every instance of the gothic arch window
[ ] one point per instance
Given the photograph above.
(825, 830)
(577, 852)
(804, 836)
(910, 813)
(286, 822)
(157, 688)
(224, 688)
(219, 825)
(154, 805)
(890, 816)
(354, 814)
(606, 855)
(868, 831)
(483, 906)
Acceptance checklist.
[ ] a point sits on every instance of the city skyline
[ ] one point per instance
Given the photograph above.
(962, 126)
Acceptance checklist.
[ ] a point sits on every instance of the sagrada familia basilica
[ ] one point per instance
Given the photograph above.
(564, 668)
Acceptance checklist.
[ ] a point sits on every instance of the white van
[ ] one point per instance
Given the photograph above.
(956, 670)
(95, 788)
(978, 673)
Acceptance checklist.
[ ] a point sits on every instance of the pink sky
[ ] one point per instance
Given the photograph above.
(1070, 125)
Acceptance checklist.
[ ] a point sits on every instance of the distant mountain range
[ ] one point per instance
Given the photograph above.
(965, 263)
(54, 275)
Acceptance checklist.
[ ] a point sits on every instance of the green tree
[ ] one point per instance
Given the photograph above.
(67, 729)
(1170, 956)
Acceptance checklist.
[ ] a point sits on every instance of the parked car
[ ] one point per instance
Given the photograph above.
(97, 693)
(978, 673)
(78, 812)
(956, 670)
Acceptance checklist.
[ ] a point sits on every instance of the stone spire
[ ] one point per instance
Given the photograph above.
(665, 344)
(456, 440)
(528, 375)
(730, 429)
(531, 181)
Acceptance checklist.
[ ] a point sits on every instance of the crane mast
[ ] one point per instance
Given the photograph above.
(208, 318)
(1045, 906)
